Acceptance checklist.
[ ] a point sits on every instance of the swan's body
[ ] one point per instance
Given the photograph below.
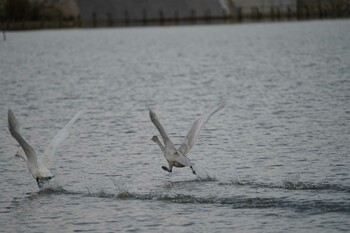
(39, 168)
(177, 157)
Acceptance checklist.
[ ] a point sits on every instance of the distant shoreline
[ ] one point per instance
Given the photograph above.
(205, 20)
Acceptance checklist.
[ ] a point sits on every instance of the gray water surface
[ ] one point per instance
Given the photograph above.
(275, 159)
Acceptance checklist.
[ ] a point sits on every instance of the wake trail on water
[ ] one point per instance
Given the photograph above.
(239, 202)
(174, 192)
(289, 185)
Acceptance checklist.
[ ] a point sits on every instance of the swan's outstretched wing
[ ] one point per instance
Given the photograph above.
(58, 139)
(192, 135)
(169, 146)
(15, 132)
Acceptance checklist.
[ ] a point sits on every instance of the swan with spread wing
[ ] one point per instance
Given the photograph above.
(177, 157)
(39, 167)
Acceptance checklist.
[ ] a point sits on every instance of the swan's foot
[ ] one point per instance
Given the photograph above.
(166, 169)
(42, 181)
(193, 171)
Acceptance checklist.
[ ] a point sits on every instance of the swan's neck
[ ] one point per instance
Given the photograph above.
(160, 145)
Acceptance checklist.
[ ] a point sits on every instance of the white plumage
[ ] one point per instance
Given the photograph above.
(177, 158)
(39, 167)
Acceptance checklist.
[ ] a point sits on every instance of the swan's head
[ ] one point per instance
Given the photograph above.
(155, 138)
(42, 181)
(152, 115)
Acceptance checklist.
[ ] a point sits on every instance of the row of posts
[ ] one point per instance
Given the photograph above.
(160, 20)
(255, 14)
(236, 15)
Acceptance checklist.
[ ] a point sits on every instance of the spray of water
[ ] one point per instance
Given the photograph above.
(122, 189)
(205, 176)
(87, 185)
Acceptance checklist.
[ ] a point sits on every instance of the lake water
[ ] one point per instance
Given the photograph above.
(275, 159)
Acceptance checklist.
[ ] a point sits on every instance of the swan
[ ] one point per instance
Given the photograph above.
(39, 168)
(177, 157)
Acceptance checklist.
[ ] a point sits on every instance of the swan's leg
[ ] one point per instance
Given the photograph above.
(40, 184)
(166, 169)
(193, 171)
(42, 181)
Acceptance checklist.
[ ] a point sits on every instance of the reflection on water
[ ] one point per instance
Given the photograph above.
(274, 159)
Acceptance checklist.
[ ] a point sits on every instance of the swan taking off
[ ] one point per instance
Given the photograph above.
(177, 157)
(39, 168)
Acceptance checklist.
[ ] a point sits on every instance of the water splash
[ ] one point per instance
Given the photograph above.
(52, 186)
(121, 186)
(205, 176)
(87, 185)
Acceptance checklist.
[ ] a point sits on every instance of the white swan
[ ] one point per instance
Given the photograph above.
(39, 168)
(177, 158)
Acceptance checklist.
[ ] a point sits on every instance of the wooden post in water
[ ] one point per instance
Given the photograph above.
(224, 16)
(4, 33)
(144, 17)
(207, 16)
(255, 14)
(298, 13)
(193, 16)
(252, 13)
(260, 14)
(177, 17)
(60, 22)
(79, 21)
(289, 13)
(239, 14)
(325, 13)
(126, 17)
(272, 13)
(338, 12)
(307, 13)
(5, 27)
(161, 17)
(94, 19)
(278, 13)
(110, 21)
(320, 12)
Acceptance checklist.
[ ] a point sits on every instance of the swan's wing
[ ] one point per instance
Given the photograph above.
(192, 135)
(184, 160)
(58, 139)
(169, 146)
(15, 132)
